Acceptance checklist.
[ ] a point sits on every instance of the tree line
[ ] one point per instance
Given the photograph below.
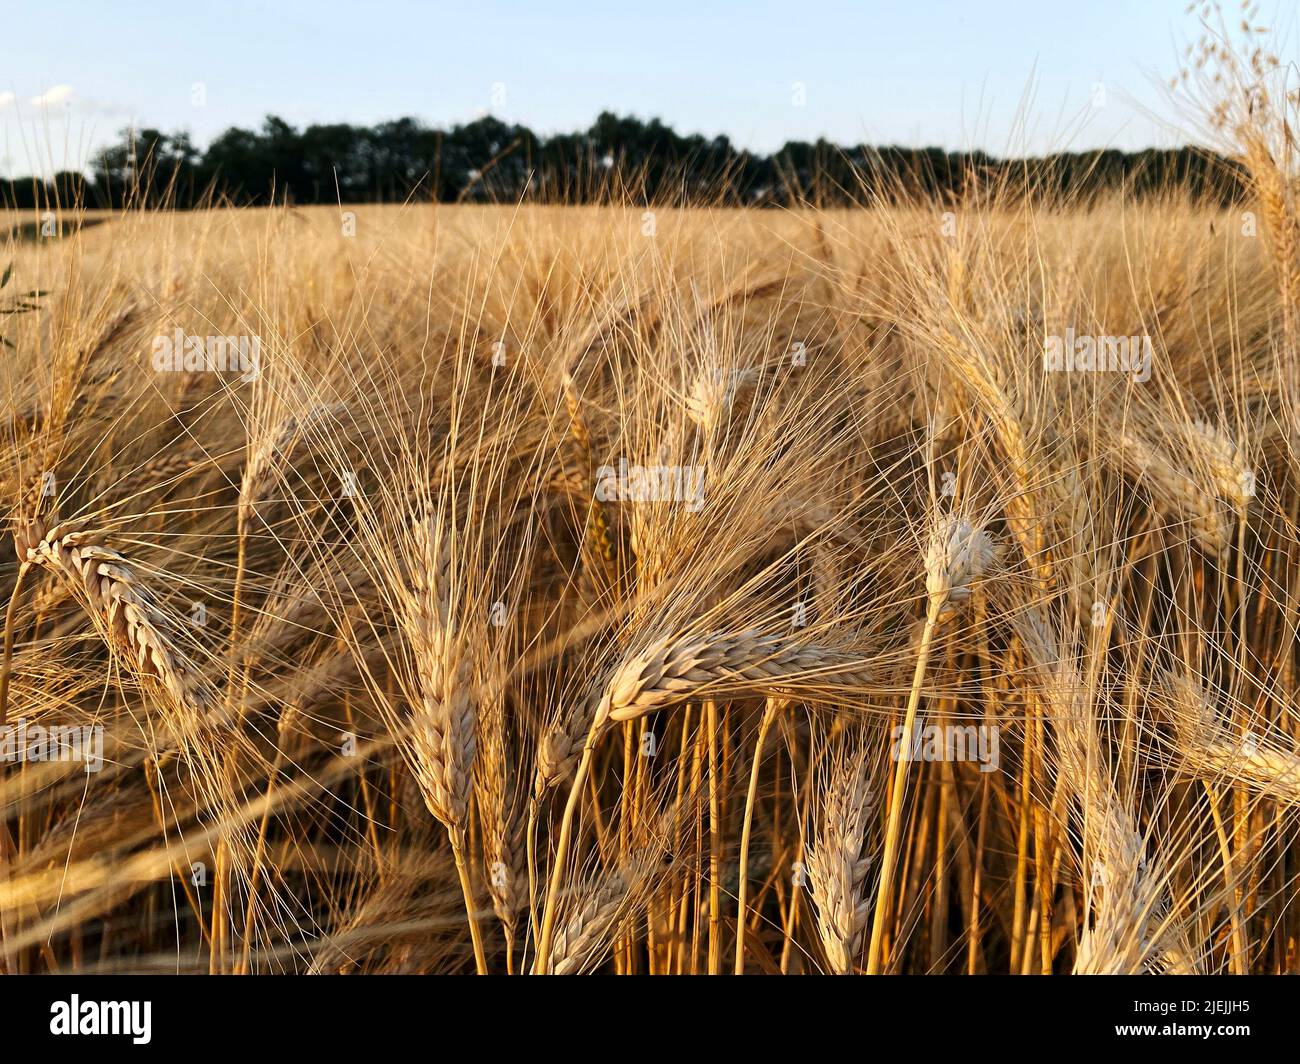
(619, 158)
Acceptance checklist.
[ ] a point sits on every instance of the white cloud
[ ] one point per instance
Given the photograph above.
(6, 98)
(53, 96)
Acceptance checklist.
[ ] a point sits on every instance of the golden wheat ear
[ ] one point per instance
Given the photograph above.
(121, 605)
(839, 857)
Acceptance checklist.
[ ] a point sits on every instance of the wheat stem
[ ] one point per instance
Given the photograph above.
(893, 826)
(742, 908)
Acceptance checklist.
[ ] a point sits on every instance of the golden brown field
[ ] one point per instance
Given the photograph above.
(548, 589)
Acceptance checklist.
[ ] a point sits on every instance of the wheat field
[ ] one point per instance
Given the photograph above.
(628, 589)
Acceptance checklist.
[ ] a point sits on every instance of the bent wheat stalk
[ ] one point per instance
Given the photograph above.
(673, 670)
(121, 606)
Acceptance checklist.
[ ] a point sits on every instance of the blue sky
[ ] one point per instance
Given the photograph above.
(922, 72)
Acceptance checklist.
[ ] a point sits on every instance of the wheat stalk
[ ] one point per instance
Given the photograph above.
(1120, 939)
(957, 554)
(443, 727)
(1190, 495)
(503, 840)
(836, 864)
(673, 669)
(717, 396)
(1206, 748)
(121, 605)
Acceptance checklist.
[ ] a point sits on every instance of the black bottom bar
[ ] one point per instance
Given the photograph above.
(269, 1013)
